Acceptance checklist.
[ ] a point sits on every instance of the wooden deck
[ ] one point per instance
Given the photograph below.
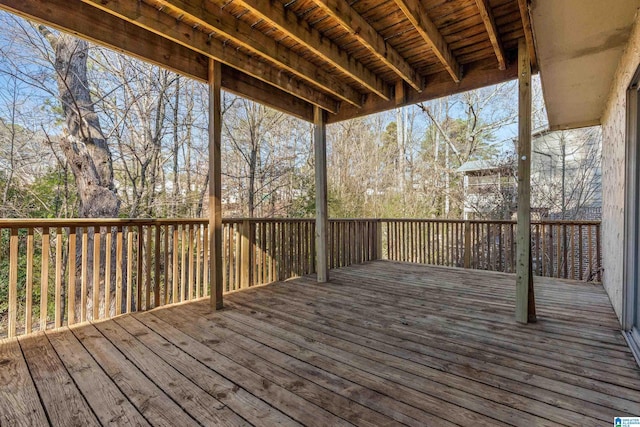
(384, 343)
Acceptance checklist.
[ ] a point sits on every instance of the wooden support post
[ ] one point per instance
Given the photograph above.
(215, 184)
(525, 302)
(322, 222)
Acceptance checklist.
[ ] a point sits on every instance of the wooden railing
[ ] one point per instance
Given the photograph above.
(48, 268)
(61, 272)
(563, 249)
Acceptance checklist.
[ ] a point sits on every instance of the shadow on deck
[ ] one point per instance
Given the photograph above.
(384, 343)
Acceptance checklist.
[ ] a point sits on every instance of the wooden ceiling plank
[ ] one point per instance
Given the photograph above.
(107, 30)
(417, 15)
(358, 27)
(244, 35)
(490, 24)
(163, 25)
(523, 5)
(477, 75)
(312, 39)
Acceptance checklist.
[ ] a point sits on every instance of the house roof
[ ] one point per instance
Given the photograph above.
(481, 165)
(349, 58)
(579, 44)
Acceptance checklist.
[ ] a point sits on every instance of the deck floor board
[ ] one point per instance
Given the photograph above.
(383, 343)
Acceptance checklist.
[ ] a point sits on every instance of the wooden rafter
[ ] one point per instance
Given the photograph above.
(164, 25)
(287, 22)
(528, 32)
(479, 74)
(241, 34)
(241, 84)
(358, 27)
(418, 17)
(105, 29)
(492, 30)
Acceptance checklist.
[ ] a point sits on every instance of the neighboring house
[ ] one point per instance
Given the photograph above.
(566, 179)
(489, 189)
(566, 176)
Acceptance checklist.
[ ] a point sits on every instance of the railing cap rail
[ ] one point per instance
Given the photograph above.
(121, 222)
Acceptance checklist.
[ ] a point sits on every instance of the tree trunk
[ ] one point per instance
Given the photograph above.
(83, 144)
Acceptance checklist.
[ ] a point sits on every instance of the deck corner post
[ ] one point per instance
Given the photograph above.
(525, 302)
(322, 221)
(215, 184)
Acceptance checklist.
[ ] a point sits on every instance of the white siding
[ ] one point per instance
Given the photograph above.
(613, 171)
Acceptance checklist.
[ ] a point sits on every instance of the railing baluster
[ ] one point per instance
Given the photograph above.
(205, 260)
(156, 264)
(226, 258)
(245, 254)
(598, 253)
(590, 268)
(44, 279)
(58, 273)
(96, 274)
(140, 270)
(13, 283)
(28, 307)
(198, 261)
(71, 293)
(129, 301)
(165, 267)
(119, 283)
(580, 263)
(84, 272)
(107, 272)
(176, 265)
(183, 264)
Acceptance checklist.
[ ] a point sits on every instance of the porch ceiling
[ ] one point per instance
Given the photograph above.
(579, 44)
(350, 58)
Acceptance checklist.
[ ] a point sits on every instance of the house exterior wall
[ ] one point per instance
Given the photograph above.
(582, 171)
(613, 171)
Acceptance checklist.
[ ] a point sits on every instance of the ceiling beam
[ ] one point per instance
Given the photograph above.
(528, 32)
(238, 83)
(107, 30)
(287, 22)
(492, 30)
(478, 74)
(418, 17)
(244, 35)
(358, 27)
(163, 25)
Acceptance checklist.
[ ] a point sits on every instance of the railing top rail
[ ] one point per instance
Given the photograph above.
(491, 221)
(91, 222)
(121, 222)
(439, 220)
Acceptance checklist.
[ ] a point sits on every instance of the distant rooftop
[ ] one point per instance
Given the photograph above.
(482, 165)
